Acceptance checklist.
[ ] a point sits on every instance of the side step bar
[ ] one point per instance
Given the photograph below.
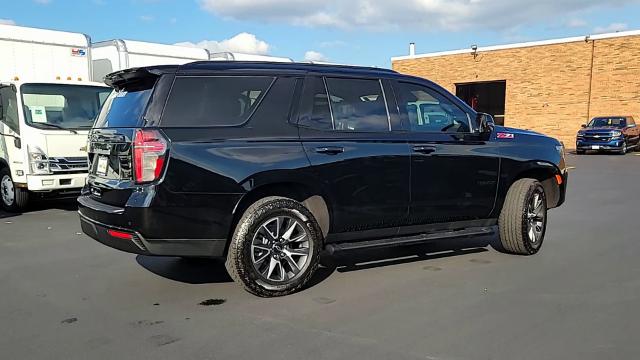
(408, 240)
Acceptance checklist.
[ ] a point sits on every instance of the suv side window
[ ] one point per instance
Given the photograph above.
(9, 108)
(426, 110)
(358, 105)
(201, 101)
(320, 113)
(632, 121)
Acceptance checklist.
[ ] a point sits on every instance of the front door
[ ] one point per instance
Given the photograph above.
(362, 162)
(452, 179)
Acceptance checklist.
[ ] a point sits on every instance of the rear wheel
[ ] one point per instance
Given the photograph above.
(14, 199)
(275, 248)
(523, 220)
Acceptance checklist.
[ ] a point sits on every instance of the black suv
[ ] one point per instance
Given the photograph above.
(267, 164)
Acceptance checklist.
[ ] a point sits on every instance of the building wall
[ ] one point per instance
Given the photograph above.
(550, 88)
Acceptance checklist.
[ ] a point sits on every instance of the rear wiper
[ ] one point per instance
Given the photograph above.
(57, 127)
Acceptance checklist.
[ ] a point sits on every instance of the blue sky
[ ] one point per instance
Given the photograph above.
(365, 32)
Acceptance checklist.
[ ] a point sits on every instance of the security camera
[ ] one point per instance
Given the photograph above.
(474, 47)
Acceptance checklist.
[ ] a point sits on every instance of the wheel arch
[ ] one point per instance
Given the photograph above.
(314, 200)
(545, 172)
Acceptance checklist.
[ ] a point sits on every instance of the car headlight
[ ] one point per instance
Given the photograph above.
(38, 161)
(616, 133)
(580, 133)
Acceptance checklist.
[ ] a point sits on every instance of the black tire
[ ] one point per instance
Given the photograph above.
(625, 149)
(13, 199)
(515, 221)
(241, 258)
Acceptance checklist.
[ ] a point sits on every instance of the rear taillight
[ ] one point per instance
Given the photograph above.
(149, 155)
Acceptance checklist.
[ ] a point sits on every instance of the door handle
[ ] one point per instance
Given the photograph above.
(330, 150)
(424, 149)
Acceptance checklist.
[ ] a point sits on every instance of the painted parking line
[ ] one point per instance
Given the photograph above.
(570, 167)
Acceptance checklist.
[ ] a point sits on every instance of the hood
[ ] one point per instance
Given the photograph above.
(518, 131)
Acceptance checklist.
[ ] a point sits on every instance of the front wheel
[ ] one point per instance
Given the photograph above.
(523, 220)
(275, 248)
(14, 199)
(624, 149)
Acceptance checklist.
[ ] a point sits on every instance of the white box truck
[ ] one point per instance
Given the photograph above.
(47, 106)
(113, 55)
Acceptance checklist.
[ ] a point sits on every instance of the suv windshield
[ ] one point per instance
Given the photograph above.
(62, 106)
(619, 122)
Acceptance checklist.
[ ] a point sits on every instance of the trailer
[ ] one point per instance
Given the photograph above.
(113, 55)
(47, 106)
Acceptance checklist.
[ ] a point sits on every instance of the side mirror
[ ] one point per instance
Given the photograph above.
(486, 123)
(17, 143)
(583, 126)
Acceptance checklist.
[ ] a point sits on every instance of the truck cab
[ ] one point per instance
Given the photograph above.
(44, 128)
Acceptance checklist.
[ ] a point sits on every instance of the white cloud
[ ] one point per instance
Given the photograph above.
(576, 23)
(241, 43)
(424, 14)
(610, 28)
(314, 56)
(7, 22)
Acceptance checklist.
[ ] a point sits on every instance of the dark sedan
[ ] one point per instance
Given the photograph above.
(613, 134)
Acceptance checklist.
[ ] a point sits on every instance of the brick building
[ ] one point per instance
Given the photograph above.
(549, 86)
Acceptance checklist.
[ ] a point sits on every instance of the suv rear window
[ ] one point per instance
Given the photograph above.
(199, 101)
(123, 108)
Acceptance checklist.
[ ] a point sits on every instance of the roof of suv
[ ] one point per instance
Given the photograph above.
(279, 66)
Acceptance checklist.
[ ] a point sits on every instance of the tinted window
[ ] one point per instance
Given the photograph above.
(213, 101)
(320, 114)
(124, 108)
(357, 105)
(9, 108)
(69, 106)
(426, 110)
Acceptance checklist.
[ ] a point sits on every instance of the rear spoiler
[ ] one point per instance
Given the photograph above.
(137, 77)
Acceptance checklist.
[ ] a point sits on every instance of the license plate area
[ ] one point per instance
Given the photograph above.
(102, 166)
(595, 147)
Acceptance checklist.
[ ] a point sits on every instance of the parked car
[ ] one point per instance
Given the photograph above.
(267, 164)
(610, 133)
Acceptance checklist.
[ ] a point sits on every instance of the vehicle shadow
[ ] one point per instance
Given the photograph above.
(212, 271)
(356, 260)
(190, 271)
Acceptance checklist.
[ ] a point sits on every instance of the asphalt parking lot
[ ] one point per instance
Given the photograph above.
(64, 296)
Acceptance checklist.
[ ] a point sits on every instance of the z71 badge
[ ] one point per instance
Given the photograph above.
(503, 135)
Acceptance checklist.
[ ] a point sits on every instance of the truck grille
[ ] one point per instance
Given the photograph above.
(596, 138)
(68, 165)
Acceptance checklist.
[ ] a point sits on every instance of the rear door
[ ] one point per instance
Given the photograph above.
(452, 177)
(356, 150)
(111, 174)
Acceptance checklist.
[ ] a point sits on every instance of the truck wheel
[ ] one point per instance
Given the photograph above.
(625, 149)
(523, 220)
(275, 248)
(13, 199)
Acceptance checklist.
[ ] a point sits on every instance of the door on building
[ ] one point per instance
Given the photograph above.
(487, 97)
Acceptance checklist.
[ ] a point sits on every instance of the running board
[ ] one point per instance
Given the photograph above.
(408, 240)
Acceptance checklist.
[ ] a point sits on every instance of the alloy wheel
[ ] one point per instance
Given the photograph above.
(536, 213)
(280, 249)
(7, 190)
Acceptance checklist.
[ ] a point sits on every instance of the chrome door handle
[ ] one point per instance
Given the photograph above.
(330, 150)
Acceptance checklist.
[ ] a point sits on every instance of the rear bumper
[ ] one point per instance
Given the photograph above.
(97, 219)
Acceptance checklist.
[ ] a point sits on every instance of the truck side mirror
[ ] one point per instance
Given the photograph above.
(486, 123)
(17, 142)
(583, 126)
